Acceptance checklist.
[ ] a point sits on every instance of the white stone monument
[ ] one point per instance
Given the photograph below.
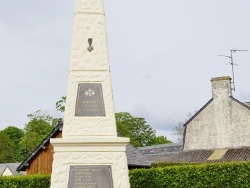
(89, 154)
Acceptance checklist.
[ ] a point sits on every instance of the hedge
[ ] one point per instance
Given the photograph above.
(29, 181)
(219, 175)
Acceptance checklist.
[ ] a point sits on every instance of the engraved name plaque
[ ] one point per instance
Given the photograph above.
(89, 100)
(90, 176)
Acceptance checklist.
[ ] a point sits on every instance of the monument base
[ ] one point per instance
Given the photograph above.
(90, 162)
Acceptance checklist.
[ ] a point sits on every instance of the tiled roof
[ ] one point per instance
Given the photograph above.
(237, 154)
(185, 156)
(246, 105)
(2, 168)
(197, 156)
(13, 169)
(161, 148)
(11, 166)
(135, 158)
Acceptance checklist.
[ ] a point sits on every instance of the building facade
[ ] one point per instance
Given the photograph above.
(224, 122)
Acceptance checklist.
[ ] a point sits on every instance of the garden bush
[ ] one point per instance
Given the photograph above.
(180, 175)
(219, 175)
(29, 181)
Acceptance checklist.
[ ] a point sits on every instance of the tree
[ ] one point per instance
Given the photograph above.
(6, 149)
(14, 134)
(38, 128)
(40, 115)
(60, 105)
(137, 129)
(29, 143)
(160, 140)
(178, 130)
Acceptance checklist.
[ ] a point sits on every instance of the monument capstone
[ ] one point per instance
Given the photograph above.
(89, 154)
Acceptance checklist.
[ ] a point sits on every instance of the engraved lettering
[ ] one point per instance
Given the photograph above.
(90, 176)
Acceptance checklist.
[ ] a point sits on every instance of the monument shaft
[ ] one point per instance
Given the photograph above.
(89, 154)
(89, 67)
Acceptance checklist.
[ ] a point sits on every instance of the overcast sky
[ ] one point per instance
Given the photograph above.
(163, 54)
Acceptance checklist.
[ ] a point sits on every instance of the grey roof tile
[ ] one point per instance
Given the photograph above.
(161, 148)
(135, 158)
(198, 156)
(12, 167)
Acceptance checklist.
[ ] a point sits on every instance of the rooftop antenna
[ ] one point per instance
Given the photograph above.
(232, 63)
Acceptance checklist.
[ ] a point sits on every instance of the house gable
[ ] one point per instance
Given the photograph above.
(40, 161)
(199, 128)
(9, 169)
(223, 123)
(7, 172)
(240, 126)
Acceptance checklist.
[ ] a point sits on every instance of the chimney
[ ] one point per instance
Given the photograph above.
(221, 87)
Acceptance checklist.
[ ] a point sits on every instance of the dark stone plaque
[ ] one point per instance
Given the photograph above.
(90, 176)
(89, 100)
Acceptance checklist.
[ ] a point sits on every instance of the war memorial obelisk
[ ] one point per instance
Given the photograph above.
(89, 154)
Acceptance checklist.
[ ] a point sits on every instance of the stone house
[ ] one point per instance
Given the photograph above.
(218, 132)
(9, 169)
(224, 122)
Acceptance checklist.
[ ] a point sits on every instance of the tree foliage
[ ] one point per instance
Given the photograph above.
(14, 134)
(160, 140)
(138, 130)
(17, 144)
(38, 128)
(7, 148)
(40, 115)
(60, 105)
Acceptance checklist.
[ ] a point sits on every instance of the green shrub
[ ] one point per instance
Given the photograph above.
(217, 175)
(29, 181)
